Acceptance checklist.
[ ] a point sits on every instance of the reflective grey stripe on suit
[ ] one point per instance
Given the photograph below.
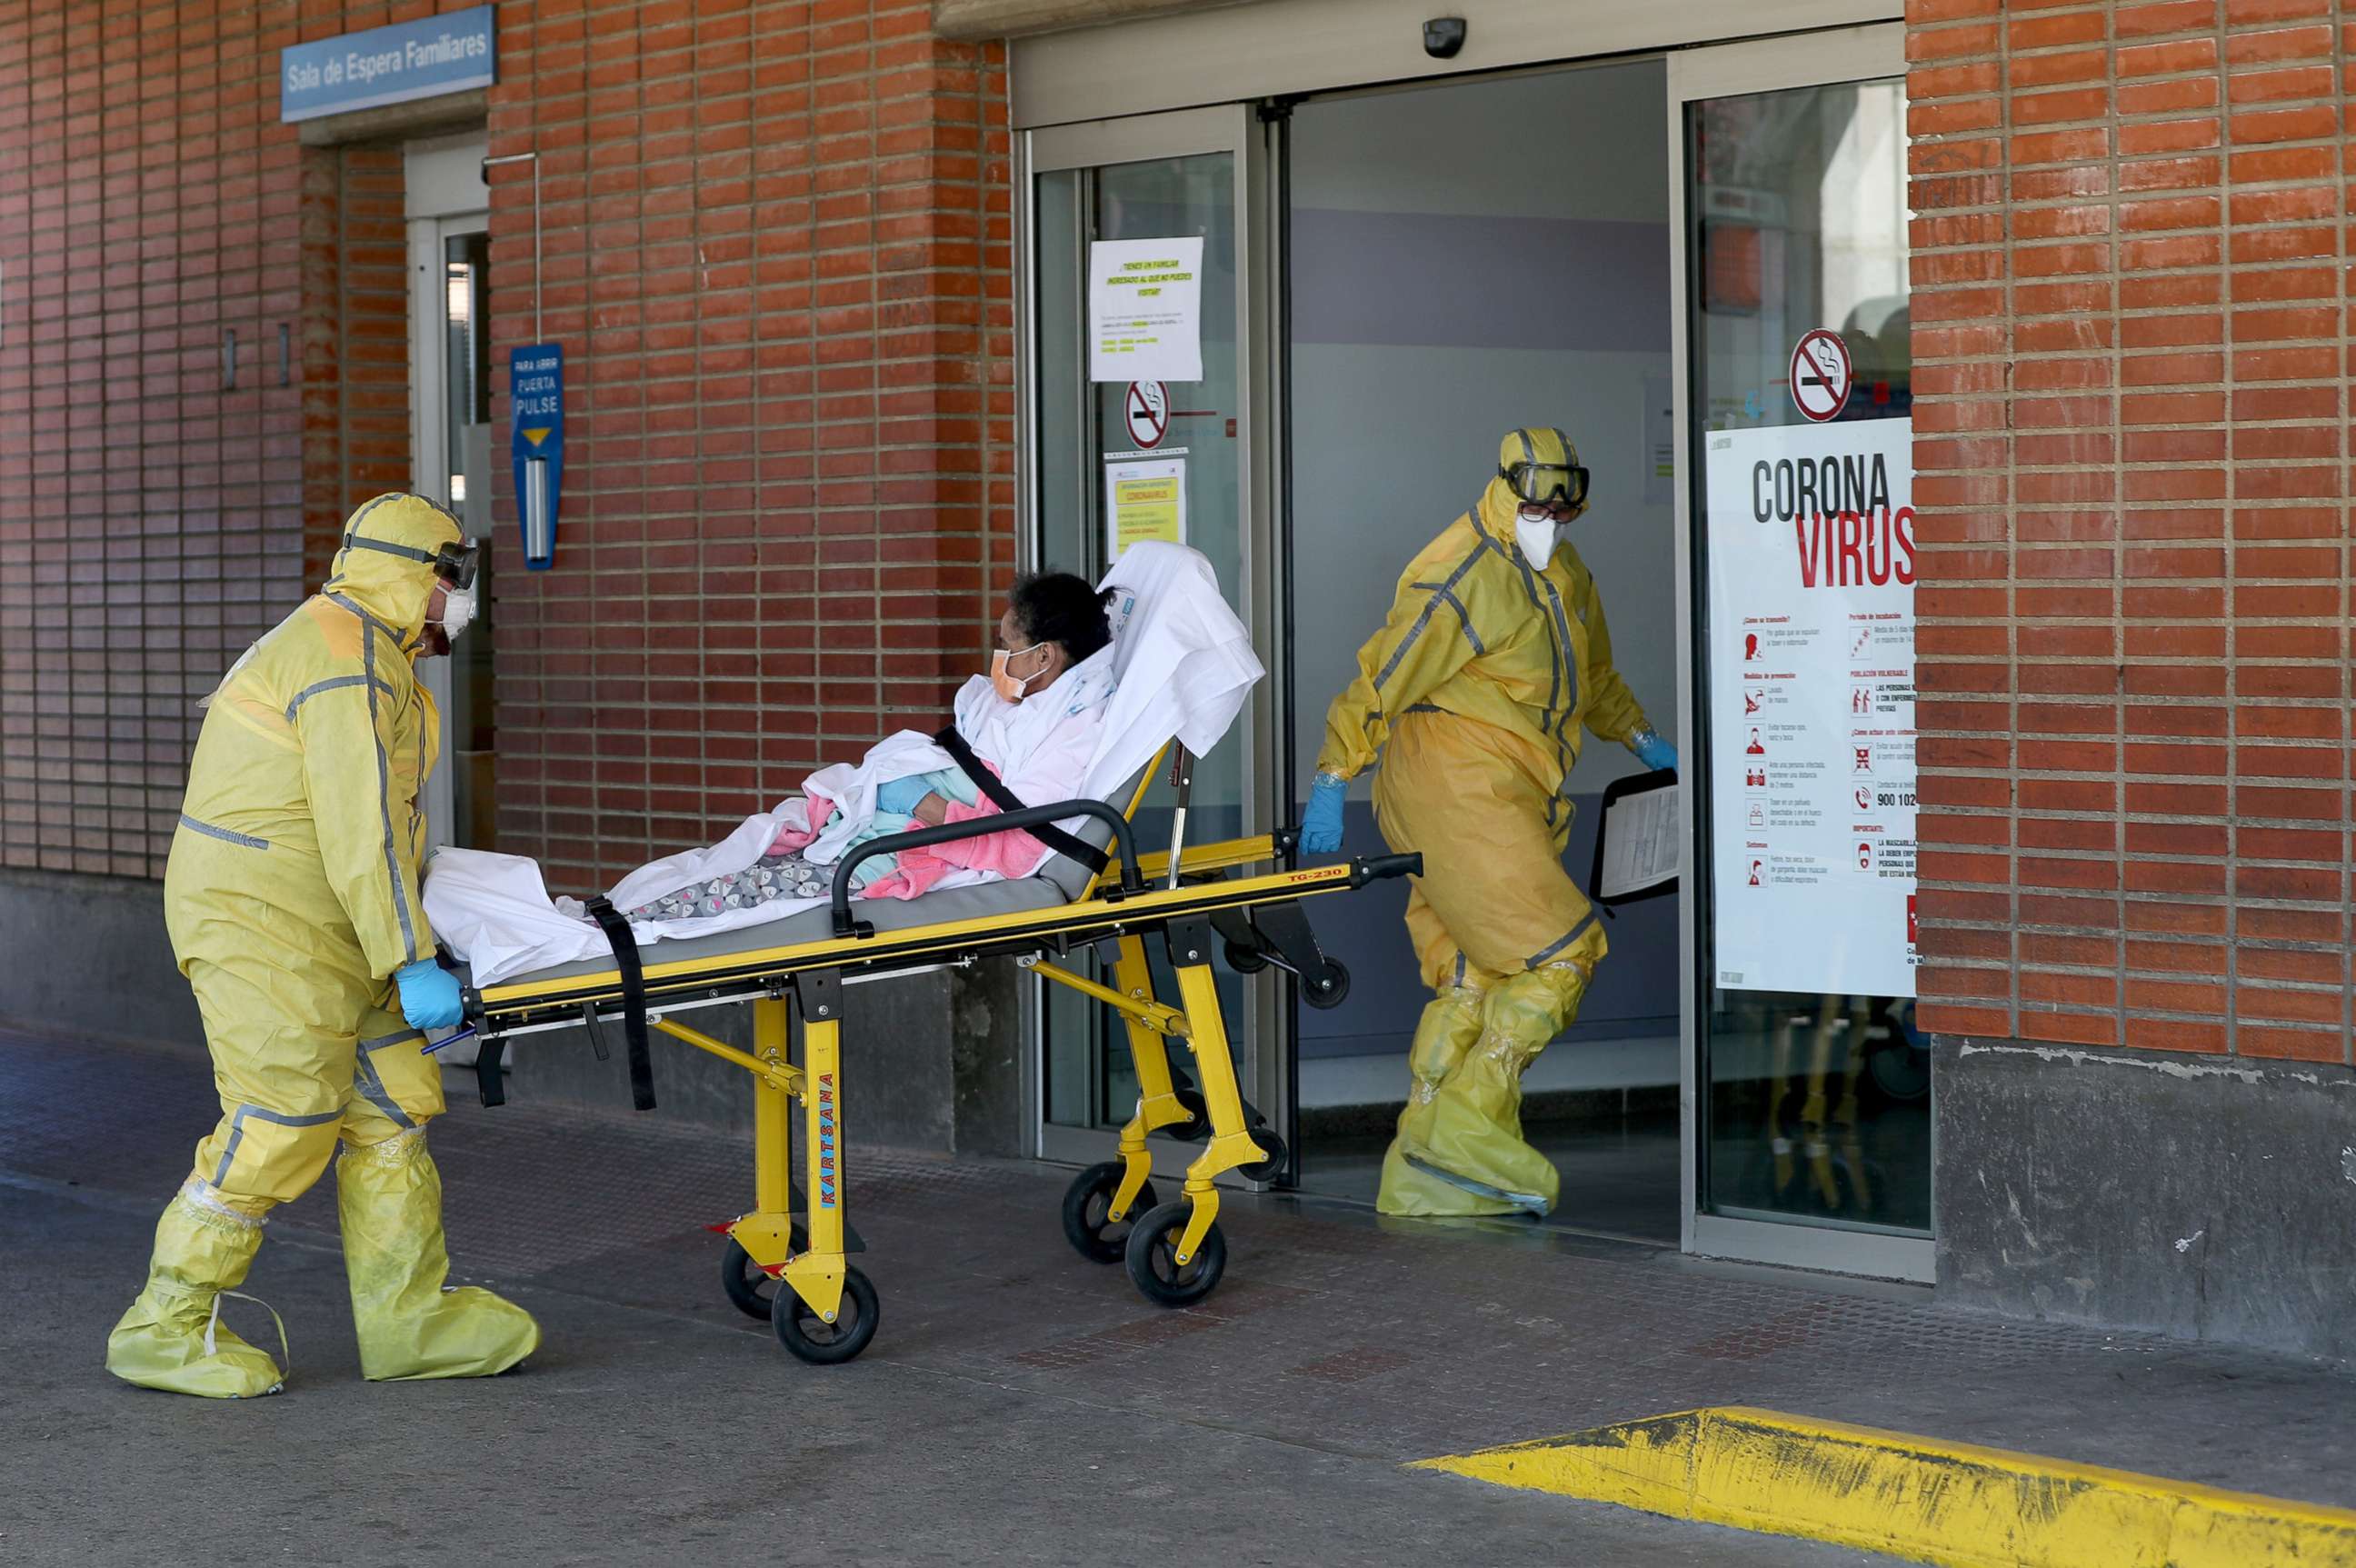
(243, 841)
(334, 683)
(1560, 641)
(236, 1132)
(370, 1083)
(1538, 960)
(1447, 591)
(1442, 590)
(385, 788)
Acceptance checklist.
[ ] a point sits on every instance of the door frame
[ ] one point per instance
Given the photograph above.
(429, 459)
(1260, 1037)
(1871, 52)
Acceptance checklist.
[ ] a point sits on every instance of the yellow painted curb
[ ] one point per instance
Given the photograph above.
(1916, 1497)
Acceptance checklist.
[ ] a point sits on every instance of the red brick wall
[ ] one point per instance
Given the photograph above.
(2131, 360)
(777, 254)
(354, 339)
(152, 524)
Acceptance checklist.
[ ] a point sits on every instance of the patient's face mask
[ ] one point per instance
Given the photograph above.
(1010, 686)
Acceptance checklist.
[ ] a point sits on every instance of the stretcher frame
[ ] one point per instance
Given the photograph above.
(1185, 896)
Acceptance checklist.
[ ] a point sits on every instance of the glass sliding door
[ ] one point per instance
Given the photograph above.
(1809, 1089)
(1152, 453)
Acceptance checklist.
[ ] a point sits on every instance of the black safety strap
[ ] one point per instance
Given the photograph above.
(634, 999)
(989, 783)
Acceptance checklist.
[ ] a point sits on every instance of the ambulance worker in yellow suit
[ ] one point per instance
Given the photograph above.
(292, 899)
(1475, 692)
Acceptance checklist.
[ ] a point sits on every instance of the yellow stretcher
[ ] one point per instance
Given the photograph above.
(786, 1259)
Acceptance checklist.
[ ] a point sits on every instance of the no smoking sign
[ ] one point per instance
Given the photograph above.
(1821, 377)
(1146, 408)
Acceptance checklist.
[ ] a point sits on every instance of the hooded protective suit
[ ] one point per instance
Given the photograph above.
(291, 898)
(1475, 691)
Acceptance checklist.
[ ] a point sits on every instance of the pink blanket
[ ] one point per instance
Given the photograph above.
(1013, 852)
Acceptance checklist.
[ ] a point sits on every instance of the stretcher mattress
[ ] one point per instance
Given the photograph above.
(1059, 882)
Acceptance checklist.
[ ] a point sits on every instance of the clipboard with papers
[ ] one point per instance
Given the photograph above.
(1640, 842)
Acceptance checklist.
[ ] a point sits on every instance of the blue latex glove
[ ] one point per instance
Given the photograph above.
(429, 995)
(1655, 752)
(1321, 825)
(900, 796)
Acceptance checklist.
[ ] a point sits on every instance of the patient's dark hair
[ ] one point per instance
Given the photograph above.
(1055, 607)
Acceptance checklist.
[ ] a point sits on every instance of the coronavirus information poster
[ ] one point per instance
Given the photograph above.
(1811, 552)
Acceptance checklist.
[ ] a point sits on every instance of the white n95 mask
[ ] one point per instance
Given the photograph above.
(1536, 539)
(457, 611)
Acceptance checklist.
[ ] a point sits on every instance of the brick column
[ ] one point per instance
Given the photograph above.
(2130, 416)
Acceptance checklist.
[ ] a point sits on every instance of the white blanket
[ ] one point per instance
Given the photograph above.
(1181, 665)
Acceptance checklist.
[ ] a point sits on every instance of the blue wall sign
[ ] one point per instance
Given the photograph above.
(536, 415)
(389, 65)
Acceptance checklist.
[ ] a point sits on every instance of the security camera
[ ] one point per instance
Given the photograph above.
(1442, 36)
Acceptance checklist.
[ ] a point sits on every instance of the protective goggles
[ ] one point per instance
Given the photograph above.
(455, 564)
(1546, 484)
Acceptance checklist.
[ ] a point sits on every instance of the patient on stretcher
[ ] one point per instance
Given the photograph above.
(1088, 685)
(1033, 723)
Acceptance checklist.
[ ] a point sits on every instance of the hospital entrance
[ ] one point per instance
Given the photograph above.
(1391, 278)
(1469, 258)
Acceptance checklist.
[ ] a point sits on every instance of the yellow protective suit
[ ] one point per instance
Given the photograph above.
(291, 898)
(1475, 692)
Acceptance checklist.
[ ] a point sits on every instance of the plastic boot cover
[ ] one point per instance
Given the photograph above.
(171, 1338)
(1449, 1027)
(1471, 1138)
(389, 1196)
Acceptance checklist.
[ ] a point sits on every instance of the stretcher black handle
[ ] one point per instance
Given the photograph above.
(1376, 868)
(981, 827)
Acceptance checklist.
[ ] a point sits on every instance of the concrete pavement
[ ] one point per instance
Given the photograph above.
(1018, 1404)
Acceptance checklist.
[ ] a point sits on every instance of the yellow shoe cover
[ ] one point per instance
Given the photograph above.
(1416, 1191)
(171, 1338)
(1471, 1135)
(1450, 1025)
(411, 1324)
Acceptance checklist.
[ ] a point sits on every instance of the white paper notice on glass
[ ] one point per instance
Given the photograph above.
(1812, 694)
(1145, 310)
(1638, 842)
(1144, 500)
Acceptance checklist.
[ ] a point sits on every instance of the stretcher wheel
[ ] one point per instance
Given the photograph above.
(749, 1287)
(1326, 988)
(1199, 1128)
(814, 1339)
(1246, 959)
(1086, 1203)
(1269, 1168)
(1153, 1266)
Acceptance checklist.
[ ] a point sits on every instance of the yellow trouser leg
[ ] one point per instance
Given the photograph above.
(1471, 1137)
(284, 1084)
(409, 1322)
(1450, 1025)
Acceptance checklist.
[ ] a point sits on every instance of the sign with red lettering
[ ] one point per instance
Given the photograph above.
(1812, 567)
